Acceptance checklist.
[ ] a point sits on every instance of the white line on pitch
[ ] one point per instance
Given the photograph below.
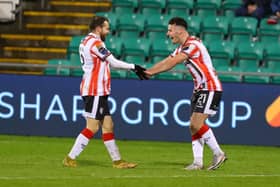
(136, 176)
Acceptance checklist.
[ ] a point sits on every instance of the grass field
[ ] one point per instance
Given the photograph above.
(36, 161)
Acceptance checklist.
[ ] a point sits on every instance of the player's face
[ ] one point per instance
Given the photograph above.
(173, 33)
(105, 30)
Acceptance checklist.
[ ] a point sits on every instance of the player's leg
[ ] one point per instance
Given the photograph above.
(81, 142)
(204, 132)
(92, 126)
(219, 156)
(203, 104)
(197, 141)
(109, 139)
(201, 134)
(111, 146)
(209, 100)
(196, 123)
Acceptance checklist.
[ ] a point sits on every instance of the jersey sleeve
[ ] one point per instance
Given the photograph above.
(174, 53)
(191, 50)
(99, 49)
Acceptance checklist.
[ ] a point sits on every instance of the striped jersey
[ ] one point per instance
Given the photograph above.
(199, 65)
(96, 78)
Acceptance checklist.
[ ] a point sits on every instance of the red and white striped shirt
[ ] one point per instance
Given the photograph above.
(199, 65)
(96, 79)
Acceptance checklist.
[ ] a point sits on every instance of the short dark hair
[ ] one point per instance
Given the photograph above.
(178, 21)
(97, 21)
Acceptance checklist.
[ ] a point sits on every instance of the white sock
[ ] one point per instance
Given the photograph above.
(197, 147)
(210, 140)
(112, 149)
(79, 145)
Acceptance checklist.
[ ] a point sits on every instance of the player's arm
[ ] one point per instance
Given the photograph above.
(105, 55)
(167, 64)
(100, 50)
(115, 63)
(139, 70)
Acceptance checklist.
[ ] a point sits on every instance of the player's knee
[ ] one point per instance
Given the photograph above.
(193, 127)
(93, 124)
(107, 128)
(193, 123)
(94, 129)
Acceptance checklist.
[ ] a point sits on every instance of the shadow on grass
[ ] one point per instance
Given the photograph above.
(164, 164)
(91, 163)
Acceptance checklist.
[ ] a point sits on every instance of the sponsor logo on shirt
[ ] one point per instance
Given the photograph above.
(102, 50)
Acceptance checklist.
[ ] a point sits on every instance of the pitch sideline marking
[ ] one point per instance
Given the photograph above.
(137, 176)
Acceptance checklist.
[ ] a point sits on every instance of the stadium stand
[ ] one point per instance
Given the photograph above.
(130, 25)
(257, 77)
(214, 28)
(272, 59)
(115, 45)
(249, 54)
(136, 47)
(242, 50)
(161, 48)
(204, 8)
(58, 69)
(121, 6)
(269, 32)
(74, 43)
(151, 7)
(112, 16)
(228, 6)
(76, 62)
(179, 7)
(156, 25)
(43, 31)
(243, 29)
(222, 53)
(274, 67)
(194, 24)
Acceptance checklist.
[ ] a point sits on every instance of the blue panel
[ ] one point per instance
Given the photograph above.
(142, 110)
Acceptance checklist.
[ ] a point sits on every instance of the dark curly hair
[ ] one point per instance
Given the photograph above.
(97, 21)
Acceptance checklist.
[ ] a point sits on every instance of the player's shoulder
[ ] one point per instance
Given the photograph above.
(192, 42)
(91, 41)
(188, 46)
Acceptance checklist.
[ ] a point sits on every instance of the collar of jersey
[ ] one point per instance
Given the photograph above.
(94, 35)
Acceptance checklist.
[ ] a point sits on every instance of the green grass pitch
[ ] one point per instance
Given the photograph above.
(36, 161)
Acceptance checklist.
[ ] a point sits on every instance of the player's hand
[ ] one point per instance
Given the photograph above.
(140, 72)
(148, 74)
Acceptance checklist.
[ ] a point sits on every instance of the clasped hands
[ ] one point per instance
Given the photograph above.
(141, 72)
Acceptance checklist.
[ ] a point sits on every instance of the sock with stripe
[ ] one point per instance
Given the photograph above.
(210, 139)
(111, 146)
(198, 146)
(80, 143)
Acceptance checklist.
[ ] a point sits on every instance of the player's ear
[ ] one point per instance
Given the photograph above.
(98, 28)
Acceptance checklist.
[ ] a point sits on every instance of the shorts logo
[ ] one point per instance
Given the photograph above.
(215, 107)
(272, 114)
(101, 110)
